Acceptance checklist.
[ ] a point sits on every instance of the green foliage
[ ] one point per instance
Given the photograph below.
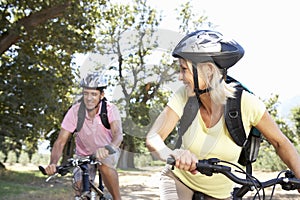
(143, 100)
(268, 160)
(190, 21)
(296, 119)
(38, 40)
(272, 106)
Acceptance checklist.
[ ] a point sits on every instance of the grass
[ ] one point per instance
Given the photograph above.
(31, 185)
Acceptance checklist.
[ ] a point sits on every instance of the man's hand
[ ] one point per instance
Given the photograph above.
(102, 153)
(51, 169)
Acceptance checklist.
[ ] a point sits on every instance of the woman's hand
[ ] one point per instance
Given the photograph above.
(185, 160)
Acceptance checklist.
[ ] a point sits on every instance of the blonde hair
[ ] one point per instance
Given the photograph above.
(213, 78)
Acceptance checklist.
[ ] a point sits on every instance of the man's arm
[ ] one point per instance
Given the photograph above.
(57, 150)
(117, 133)
(117, 138)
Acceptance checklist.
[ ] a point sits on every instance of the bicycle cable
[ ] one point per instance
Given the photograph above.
(250, 177)
(273, 189)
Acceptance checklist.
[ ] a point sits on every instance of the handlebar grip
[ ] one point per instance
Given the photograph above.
(110, 149)
(42, 169)
(59, 170)
(171, 161)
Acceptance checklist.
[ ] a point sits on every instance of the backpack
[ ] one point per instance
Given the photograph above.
(81, 117)
(233, 120)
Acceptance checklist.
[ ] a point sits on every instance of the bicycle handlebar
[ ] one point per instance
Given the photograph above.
(210, 166)
(64, 169)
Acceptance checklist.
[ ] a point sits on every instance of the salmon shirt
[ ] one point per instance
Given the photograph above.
(93, 134)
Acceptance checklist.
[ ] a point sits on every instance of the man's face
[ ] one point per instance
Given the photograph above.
(91, 98)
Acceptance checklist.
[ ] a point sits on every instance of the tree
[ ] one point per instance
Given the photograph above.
(296, 119)
(37, 42)
(189, 20)
(127, 33)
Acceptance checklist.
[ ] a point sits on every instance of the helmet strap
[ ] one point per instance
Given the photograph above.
(224, 74)
(90, 110)
(197, 90)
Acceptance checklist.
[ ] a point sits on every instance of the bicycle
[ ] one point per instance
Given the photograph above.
(210, 166)
(87, 185)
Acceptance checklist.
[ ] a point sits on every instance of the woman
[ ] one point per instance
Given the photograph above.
(204, 57)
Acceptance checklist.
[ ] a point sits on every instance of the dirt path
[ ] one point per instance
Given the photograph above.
(143, 184)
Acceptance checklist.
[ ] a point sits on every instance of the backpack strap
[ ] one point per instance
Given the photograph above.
(103, 114)
(190, 111)
(233, 118)
(80, 121)
(81, 117)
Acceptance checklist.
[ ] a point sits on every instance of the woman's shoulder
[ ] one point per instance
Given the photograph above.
(250, 97)
(250, 101)
(178, 100)
(181, 93)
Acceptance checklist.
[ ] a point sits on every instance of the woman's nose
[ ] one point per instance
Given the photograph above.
(180, 76)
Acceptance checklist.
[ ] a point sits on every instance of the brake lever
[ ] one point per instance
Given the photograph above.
(110, 149)
(52, 176)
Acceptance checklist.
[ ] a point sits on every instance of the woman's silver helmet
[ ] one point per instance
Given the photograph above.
(209, 46)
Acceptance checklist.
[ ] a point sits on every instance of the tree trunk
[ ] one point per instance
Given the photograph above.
(2, 166)
(10, 37)
(126, 160)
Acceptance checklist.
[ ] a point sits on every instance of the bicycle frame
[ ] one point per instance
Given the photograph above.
(87, 184)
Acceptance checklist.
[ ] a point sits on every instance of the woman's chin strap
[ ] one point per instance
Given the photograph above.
(197, 90)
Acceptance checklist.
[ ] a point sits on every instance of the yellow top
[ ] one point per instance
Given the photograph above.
(214, 142)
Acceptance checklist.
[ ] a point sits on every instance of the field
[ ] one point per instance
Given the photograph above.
(19, 182)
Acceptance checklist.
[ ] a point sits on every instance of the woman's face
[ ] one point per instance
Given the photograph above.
(186, 76)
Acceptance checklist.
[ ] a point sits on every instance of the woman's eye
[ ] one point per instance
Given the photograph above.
(183, 69)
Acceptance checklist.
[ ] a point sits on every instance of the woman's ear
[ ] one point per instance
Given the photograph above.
(209, 69)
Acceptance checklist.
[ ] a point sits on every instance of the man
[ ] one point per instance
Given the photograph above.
(93, 136)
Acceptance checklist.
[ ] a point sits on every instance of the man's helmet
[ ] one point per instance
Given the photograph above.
(209, 46)
(94, 81)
